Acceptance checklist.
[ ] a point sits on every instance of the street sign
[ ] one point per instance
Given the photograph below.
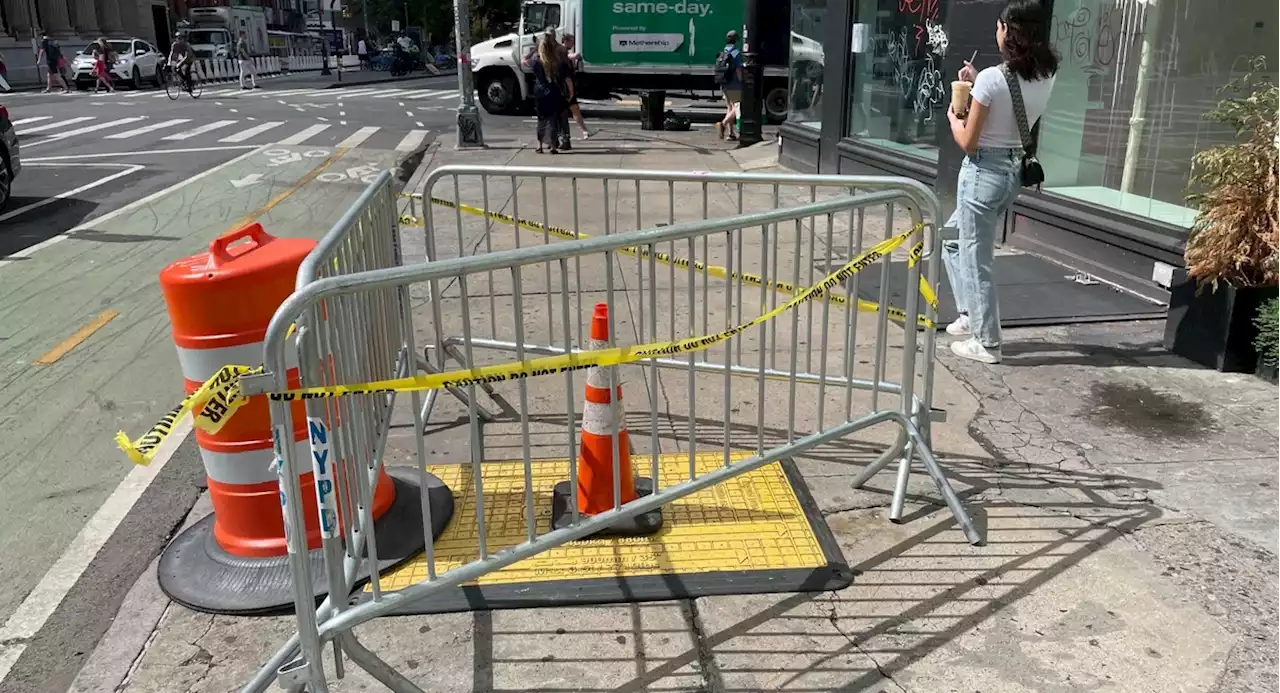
(395, 25)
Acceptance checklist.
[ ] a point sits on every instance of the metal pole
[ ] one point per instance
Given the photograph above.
(324, 40)
(469, 131)
(752, 78)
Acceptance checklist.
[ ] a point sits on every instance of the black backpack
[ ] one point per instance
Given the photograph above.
(724, 67)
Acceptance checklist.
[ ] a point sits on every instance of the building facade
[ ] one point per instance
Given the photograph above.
(1127, 113)
(73, 23)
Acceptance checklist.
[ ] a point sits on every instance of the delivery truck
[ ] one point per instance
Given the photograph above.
(630, 46)
(213, 31)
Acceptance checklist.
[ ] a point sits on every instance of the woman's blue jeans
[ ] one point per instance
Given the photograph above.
(987, 185)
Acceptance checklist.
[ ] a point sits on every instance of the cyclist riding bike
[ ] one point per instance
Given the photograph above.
(181, 58)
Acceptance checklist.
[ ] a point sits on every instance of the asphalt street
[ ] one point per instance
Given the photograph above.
(114, 187)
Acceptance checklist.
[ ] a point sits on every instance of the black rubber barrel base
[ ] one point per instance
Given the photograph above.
(198, 574)
(564, 497)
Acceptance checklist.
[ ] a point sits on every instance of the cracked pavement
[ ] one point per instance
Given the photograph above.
(1128, 499)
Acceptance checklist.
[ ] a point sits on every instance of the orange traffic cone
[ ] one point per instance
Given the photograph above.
(601, 413)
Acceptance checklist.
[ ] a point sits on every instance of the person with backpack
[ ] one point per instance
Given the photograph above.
(729, 77)
(51, 53)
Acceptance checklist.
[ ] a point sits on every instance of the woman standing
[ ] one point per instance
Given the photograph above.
(550, 84)
(102, 59)
(996, 142)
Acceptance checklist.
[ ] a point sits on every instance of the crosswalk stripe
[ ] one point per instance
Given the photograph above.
(222, 92)
(448, 95)
(358, 137)
(393, 92)
(411, 141)
(54, 126)
(33, 119)
(133, 94)
(93, 128)
(252, 132)
(208, 127)
(304, 135)
(346, 93)
(147, 128)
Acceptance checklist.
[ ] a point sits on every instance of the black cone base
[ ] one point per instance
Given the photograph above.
(198, 574)
(564, 497)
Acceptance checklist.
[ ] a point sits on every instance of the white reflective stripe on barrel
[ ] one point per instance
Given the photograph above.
(251, 466)
(200, 364)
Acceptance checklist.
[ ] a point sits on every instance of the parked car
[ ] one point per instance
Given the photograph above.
(136, 60)
(11, 165)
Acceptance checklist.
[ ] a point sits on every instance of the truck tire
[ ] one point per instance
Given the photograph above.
(776, 101)
(499, 92)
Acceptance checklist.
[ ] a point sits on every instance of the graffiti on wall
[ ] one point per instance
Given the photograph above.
(1093, 36)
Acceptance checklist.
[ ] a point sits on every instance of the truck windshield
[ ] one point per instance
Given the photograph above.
(540, 15)
(214, 37)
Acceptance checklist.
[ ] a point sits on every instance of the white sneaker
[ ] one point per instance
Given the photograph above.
(960, 327)
(974, 351)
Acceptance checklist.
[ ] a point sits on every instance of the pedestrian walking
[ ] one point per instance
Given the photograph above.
(549, 89)
(103, 58)
(995, 133)
(51, 54)
(728, 74)
(246, 63)
(572, 62)
(362, 52)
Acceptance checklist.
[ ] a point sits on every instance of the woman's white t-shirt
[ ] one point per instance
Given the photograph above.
(1001, 128)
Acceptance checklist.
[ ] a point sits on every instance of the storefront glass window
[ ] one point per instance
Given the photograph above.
(1136, 78)
(899, 95)
(806, 62)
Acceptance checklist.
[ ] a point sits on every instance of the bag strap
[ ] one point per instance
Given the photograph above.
(1019, 109)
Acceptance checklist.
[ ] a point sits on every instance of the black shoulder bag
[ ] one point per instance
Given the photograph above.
(1031, 172)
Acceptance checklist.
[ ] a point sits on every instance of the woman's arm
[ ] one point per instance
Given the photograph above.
(965, 131)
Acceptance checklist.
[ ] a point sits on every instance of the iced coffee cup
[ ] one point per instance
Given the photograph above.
(960, 97)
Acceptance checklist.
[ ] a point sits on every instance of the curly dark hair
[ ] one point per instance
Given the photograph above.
(1027, 50)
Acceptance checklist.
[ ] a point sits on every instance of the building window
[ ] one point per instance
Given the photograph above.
(1136, 79)
(806, 62)
(899, 94)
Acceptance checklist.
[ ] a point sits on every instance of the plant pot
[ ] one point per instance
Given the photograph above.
(1214, 328)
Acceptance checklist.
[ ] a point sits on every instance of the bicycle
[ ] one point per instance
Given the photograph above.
(173, 86)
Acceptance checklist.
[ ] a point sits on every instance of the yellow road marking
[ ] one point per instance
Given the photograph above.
(284, 194)
(76, 339)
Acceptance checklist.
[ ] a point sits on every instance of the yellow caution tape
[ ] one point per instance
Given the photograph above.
(215, 401)
(617, 356)
(717, 271)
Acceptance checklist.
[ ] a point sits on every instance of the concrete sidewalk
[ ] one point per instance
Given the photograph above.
(1129, 501)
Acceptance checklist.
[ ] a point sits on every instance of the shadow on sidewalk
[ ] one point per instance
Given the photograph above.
(1041, 521)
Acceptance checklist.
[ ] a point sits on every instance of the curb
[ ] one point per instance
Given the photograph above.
(695, 115)
(405, 78)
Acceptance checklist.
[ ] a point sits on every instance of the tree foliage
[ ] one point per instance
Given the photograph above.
(1236, 236)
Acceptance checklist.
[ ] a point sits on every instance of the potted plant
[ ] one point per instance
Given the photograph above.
(1268, 342)
(1232, 249)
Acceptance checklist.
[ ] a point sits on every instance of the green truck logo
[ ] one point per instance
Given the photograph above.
(674, 33)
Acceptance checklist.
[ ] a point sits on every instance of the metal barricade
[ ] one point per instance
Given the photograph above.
(359, 309)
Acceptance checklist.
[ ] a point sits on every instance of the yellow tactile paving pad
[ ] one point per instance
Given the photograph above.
(751, 522)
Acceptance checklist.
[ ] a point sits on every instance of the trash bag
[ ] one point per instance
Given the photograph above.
(677, 123)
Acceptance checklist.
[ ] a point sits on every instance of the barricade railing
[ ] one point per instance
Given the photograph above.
(362, 301)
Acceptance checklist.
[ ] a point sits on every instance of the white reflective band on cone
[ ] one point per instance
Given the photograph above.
(198, 365)
(250, 466)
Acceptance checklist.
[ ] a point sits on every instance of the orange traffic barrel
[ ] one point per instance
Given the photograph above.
(602, 415)
(220, 303)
